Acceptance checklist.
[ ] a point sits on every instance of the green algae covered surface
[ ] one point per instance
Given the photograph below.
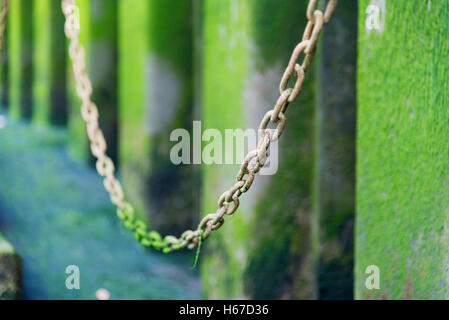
(155, 43)
(402, 152)
(262, 251)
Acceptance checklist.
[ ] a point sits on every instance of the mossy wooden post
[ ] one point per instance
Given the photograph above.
(13, 38)
(26, 55)
(334, 194)
(41, 82)
(10, 272)
(103, 66)
(155, 98)
(49, 85)
(20, 52)
(78, 146)
(58, 70)
(402, 151)
(4, 61)
(264, 251)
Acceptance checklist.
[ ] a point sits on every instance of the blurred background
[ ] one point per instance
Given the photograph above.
(158, 65)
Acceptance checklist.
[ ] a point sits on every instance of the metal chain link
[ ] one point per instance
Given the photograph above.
(229, 201)
(3, 17)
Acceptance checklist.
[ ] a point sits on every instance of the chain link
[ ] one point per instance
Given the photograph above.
(229, 201)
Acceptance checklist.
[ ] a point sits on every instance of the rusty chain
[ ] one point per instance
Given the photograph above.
(3, 17)
(229, 201)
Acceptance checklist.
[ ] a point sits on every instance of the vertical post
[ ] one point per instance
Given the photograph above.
(20, 37)
(197, 70)
(103, 63)
(26, 56)
(42, 60)
(334, 194)
(58, 71)
(134, 150)
(78, 147)
(265, 250)
(14, 54)
(154, 100)
(402, 163)
(4, 93)
(49, 85)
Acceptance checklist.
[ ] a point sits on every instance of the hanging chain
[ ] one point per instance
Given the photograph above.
(3, 17)
(229, 201)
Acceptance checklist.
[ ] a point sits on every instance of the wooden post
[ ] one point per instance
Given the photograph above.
(20, 53)
(334, 194)
(42, 60)
(49, 86)
(26, 55)
(103, 65)
(265, 250)
(58, 70)
(402, 163)
(4, 60)
(13, 37)
(133, 46)
(155, 98)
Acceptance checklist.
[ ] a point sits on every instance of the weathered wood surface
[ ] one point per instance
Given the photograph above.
(334, 194)
(49, 63)
(58, 70)
(4, 72)
(20, 39)
(26, 56)
(156, 97)
(292, 236)
(402, 152)
(264, 251)
(103, 71)
(41, 61)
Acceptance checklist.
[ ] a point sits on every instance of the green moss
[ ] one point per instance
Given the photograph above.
(4, 74)
(173, 20)
(133, 46)
(42, 61)
(152, 70)
(58, 70)
(222, 108)
(26, 59)
(267, 29)
(14, 47)
(267, 241)
(103, 61)
(402, 170)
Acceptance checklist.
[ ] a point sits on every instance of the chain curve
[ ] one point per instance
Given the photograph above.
(229, 201)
